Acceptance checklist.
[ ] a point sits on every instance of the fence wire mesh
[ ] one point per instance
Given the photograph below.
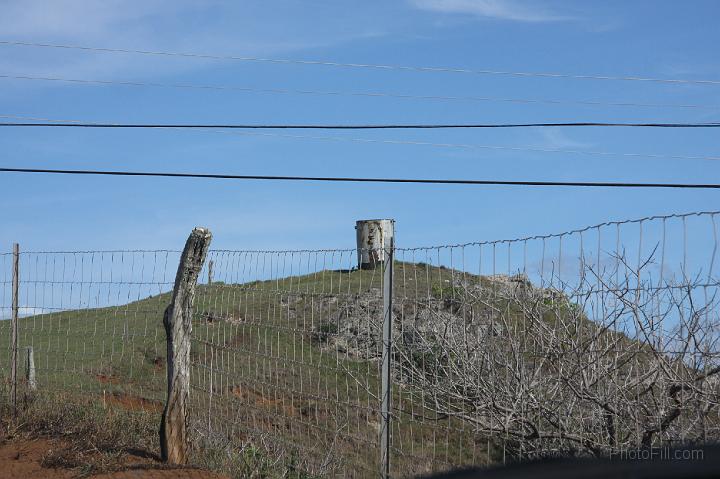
(586, 342)
(93, 321)
(582, 343)
(269, 364)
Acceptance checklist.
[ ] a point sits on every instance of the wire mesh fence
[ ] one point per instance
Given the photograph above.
(587, 342)
(92, 321)
(265, 364)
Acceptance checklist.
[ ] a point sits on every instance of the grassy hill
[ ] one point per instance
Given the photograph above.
(290, 366)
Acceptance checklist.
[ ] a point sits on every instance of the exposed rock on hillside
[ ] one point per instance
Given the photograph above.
(469, 308)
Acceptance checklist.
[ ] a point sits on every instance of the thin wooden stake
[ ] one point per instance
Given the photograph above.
(174, 440)
(14, 327)
(30, 369)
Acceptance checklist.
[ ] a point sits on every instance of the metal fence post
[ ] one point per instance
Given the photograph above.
(14, 327)
(174, 440)
(385, 411)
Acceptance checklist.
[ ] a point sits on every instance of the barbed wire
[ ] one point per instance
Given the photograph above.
(99, 251)
(409, 248)
(565, 233)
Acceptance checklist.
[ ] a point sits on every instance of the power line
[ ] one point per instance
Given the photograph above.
(425, 143)
(369, 94)
(363, 180)
(437, 126)
(361, 65)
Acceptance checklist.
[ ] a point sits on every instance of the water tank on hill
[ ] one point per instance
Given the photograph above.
(371, 236)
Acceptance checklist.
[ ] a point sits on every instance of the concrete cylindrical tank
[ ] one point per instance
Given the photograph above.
(372, 237)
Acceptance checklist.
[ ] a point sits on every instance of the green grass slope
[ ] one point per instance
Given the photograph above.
(269, 368)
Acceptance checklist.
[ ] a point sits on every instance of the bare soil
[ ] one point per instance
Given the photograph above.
(42, 458)
(132, 403)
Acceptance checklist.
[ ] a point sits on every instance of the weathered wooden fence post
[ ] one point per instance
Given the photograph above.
(210, 271)
(30, 369)
(14, 327)
(174, 440)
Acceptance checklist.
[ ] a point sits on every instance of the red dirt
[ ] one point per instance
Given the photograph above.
(23, 458)
(104, 378)
(252, 396)
(300, 409)
(133, 403)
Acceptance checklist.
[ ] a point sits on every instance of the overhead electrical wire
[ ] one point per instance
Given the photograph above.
(421, 143)
(366, 94)
(382, 126)
(363, 180)
(362, 65)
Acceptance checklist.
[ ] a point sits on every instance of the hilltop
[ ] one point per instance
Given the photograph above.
(293, 362)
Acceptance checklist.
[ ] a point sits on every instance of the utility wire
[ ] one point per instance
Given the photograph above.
(362, 180)
(360, 127)
(469, 146)
(369, 94)
(361, 65)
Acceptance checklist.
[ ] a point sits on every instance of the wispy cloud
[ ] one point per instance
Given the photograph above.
(252, 28)
(514, 10)
(555, 138)
(74, 18)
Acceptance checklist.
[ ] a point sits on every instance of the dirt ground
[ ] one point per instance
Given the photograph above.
(28, 458)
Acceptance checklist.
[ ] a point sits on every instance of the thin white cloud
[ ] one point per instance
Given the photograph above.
(252, 28)
(74, 18)
(555, 138)
(514, 10)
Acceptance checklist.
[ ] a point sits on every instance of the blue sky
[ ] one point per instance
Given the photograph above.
(664, 39)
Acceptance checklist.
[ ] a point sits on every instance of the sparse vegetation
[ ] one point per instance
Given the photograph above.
(96, 439)
(285, 373)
